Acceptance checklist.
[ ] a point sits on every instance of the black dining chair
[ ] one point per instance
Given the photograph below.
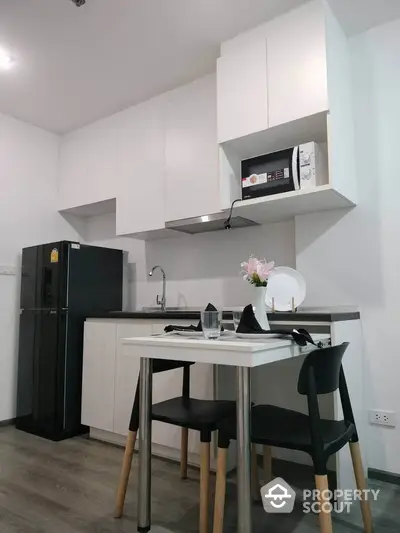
(185, 412)
(321, 373)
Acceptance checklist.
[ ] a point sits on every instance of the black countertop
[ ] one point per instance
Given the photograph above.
(305, 314)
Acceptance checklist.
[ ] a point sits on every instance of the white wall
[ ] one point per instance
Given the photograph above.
(28, 166)
(199, 268)
(354, 257)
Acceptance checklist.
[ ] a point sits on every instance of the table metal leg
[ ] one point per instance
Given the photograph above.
(245, 522)
(144, 497)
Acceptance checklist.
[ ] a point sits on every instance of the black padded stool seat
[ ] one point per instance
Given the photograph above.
(199, 415)
(284, 428)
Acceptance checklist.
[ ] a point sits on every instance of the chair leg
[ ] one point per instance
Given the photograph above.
(267, 463)
(126, 469)
(255, 483)
(204, 485)
(361, 485)
(325, 518)
(220, 490)
(184, 452)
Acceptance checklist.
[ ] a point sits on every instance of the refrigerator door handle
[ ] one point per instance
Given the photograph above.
(37, 309)
(65, 371)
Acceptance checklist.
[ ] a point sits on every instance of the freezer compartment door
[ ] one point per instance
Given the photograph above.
(44, 276)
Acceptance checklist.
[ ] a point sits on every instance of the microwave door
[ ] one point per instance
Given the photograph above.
(295, 168)
(273, 173)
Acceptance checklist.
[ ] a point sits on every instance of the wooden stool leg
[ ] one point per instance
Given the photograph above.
(126, 469)
(267, 463)
(255, 483)
(204, 485)
(184, 452)
(361, 485)
(220, 490)
(325, 518)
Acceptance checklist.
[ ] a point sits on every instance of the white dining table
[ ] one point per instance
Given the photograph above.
(231, 351)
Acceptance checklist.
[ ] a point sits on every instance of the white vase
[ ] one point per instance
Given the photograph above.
(259, 306)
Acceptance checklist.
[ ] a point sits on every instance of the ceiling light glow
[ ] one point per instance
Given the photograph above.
(205, 218)
(6, 61)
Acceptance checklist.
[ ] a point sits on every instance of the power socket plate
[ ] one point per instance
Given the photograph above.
(382, 418)
(8, 270)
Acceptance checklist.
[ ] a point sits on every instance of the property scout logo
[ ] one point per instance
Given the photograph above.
(279, 497)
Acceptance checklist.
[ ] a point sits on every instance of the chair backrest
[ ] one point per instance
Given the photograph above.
(322, 373)
(325, 364)
(161, 365)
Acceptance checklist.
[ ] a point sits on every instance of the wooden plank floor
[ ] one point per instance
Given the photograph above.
(69, 487)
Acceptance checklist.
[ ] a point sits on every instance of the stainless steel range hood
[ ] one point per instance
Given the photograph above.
(203, 224)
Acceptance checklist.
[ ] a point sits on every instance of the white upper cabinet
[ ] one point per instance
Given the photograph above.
(273, 74)
(88, 165)
(141, 168)
(296, 64)
(191, 166)
(242, 90)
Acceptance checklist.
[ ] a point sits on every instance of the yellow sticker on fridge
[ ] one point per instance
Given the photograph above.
(54, 256)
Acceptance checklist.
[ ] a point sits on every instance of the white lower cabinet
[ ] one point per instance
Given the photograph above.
(110, 379)
(126, 374)
(98, 375)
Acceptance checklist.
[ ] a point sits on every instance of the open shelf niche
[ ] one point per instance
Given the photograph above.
(287, 205)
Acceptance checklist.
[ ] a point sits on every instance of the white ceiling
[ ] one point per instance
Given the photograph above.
(75, 65)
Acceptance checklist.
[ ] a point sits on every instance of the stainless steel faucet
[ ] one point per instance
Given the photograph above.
(161, 301)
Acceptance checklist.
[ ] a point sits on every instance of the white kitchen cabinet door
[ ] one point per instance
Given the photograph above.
(192, 169)
(168, 385)
(73, 182)
(242, 91)
(296, 60)
(87, 167)
(127, 370)
(98, 375)
(141, 168)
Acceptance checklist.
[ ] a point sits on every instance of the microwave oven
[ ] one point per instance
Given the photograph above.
(301, 167)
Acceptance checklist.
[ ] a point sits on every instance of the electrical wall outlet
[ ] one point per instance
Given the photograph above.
(8, 270)
(382, 418)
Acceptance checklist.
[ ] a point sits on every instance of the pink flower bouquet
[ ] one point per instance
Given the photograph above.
(257, 271)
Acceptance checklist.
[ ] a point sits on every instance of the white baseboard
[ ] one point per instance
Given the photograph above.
(107, 436)
(157, 450)
(194, 459)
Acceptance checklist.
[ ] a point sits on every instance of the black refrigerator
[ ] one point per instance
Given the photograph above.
(61, 284)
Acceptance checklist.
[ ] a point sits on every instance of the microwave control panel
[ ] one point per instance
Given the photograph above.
(307, 165)
(266, 177)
